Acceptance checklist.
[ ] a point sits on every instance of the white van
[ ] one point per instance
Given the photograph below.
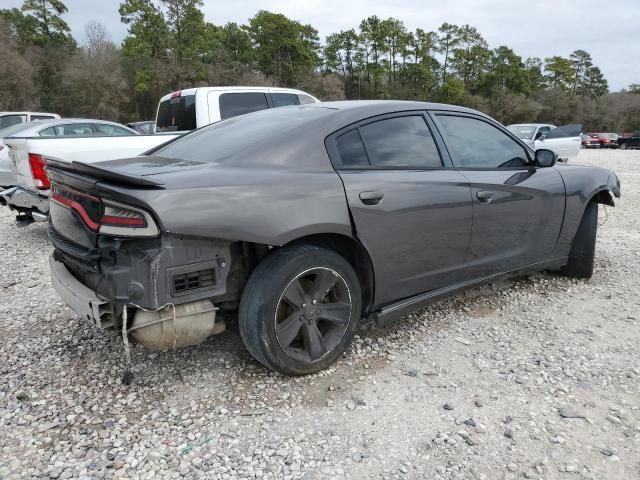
(193, 108)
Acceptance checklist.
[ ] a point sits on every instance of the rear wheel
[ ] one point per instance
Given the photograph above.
(623, 146)
(299, 309)
(581, 257)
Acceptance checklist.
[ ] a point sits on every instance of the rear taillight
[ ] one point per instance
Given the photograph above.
(105, 216)
(37, 165)
(122, 217)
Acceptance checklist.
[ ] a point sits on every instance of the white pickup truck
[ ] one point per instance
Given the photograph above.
(177, 113)
(565, 141)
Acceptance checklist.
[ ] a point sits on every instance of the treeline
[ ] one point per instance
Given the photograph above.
(171, 46)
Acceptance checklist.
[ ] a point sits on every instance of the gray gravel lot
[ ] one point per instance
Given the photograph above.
(530, 378)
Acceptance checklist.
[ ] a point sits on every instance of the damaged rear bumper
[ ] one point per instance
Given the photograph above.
(82, 300)
(31, 205)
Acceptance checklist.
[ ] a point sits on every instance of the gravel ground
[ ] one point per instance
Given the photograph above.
(536, 377)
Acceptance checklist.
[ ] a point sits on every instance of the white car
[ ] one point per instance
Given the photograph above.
(565, 141)
(7, 178)
(68, 139)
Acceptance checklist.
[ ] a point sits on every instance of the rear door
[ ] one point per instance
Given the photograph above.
(517, 210)
(412, 212)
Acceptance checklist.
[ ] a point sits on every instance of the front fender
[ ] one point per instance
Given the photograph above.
(583, 184)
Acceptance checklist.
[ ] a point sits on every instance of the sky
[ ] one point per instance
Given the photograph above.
(609, 31)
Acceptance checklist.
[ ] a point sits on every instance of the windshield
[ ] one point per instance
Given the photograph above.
(225, 141)
(8, 131)
(522, 131)
(177, 114)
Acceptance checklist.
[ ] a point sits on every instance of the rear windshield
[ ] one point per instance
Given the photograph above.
(225, 141)
(522, 131)
(18, 127)
(177, 114)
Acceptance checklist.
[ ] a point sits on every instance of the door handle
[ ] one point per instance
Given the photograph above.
(484, 196)
(372, 197)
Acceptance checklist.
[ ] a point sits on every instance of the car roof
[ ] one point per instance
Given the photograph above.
(42, 124)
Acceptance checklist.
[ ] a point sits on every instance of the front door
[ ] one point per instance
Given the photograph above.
(411, 212)
(517, 210)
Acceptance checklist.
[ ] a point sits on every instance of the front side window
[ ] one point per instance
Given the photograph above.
(68, 130)
(474, 143)
(284, 99)
(9, 120)
(235, 104)
(400, 142)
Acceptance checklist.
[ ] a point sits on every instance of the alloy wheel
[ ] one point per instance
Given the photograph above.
(313, 314)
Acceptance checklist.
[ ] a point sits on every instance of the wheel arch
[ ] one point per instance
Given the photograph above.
(355, 253)
(602, 196)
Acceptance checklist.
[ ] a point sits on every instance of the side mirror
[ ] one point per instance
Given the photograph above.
(545, 158)
(539, 136)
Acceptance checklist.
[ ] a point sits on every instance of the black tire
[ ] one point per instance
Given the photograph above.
(583, 249)
(266, 300)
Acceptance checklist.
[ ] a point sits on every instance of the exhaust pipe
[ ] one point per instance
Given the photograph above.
(39, 217)
(176, 326)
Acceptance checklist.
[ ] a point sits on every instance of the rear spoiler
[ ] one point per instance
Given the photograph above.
(100, 173)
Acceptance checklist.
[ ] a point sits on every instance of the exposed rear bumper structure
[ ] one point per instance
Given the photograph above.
(82, 300)
(26, 202)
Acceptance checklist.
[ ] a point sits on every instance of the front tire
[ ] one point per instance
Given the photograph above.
(300, 309)
(581, 257)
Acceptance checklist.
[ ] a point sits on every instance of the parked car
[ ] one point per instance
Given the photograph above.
(186, 110)
(590, 141)
(629, 141)
(68, 139)
(7, 119)
(177, 113)
(608, 140)
(145, 128)
(564, 140)
(312, 221)
(7, 177)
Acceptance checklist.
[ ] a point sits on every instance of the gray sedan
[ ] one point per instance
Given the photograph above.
(309, 222)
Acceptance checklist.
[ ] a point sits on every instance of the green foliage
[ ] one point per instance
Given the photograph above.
(284, 49)
(561, 73)
(171, 46)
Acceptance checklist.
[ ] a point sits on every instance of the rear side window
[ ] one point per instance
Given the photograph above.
(284, 99)
(9, 120)
(351, 150)
(111, 130)
(305, 99)
(177, 114)
(474, 143)
(235, 104)
(402, 142)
